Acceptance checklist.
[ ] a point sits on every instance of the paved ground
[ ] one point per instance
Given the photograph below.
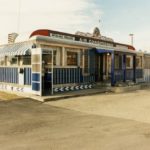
(100, 122)
(8, 96)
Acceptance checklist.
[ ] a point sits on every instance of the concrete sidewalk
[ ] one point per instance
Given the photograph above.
(81, 93)
(86, 92)
(71, 94)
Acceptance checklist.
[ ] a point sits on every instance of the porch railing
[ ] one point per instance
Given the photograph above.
(129, 74)
(9, 75)
(71, 75)
(66, 75)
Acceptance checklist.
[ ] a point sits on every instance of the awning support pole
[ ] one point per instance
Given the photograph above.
(112, 69)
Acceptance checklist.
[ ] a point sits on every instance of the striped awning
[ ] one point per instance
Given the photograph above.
(17, 49)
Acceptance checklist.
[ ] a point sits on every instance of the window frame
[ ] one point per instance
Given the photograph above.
(77, 59)
(131, 62)
(119, 57)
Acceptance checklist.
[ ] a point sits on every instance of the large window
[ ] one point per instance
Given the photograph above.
(47, 58)
(129, 62)
(72, 58)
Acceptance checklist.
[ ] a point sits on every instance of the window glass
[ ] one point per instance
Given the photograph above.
(72, 58)
(129, 62)
(12, 60)
(86, 62)
(47, 58)
(26, 60)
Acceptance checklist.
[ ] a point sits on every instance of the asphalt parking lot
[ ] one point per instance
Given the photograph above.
(100, 122)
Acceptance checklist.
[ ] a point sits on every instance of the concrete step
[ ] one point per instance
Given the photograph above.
(125, 88)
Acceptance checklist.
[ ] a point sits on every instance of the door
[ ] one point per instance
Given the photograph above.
(103, 67)
(47, 73)
(99, 68)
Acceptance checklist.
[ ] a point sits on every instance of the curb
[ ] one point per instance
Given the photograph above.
(73, 96)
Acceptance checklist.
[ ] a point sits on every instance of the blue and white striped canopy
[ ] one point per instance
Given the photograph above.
(16, 49)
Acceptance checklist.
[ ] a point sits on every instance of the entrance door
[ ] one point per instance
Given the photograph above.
(103, 67)
(47, 74)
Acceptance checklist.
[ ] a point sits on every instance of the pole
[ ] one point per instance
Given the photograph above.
(131, 35)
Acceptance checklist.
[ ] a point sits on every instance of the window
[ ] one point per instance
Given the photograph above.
(118, 61)
(47, 58)
(2, 61)
(54, 57)
(12, 61)
(26, 60)
(129, 62)
(139, 62)
(86, 62)
(72, 58)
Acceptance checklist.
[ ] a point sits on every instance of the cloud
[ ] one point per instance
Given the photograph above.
(63, 15)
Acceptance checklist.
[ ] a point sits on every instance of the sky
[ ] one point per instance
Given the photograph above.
(118, 18)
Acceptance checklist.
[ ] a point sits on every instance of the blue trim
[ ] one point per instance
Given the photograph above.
(35, 86)
(101, 51)
(35, 77)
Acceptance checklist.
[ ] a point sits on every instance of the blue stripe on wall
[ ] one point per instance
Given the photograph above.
(36, 77)
(35, 86)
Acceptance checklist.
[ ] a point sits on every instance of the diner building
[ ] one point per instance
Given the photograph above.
(51, 61)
